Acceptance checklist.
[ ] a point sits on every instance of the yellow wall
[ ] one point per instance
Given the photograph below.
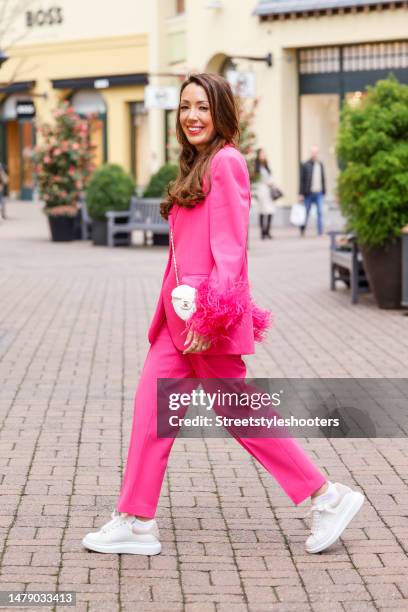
(233, 30)
(84, 58)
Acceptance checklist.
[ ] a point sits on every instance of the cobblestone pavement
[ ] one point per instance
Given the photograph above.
(72, 343)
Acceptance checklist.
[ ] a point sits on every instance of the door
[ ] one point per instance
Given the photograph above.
(13, 157)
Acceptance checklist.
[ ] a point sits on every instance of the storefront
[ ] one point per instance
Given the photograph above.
(99, 65)
(114, 106)
(305, 58)
(332, 76)
(17, 138)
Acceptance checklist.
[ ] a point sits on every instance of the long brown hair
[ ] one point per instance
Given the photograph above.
(187, 189)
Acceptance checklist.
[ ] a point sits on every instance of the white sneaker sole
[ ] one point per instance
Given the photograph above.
(130, 548)
(356, 501)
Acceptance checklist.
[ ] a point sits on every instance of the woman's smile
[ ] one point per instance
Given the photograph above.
(195, 129)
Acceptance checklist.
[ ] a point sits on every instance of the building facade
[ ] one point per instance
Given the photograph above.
(95, 56)
(323, 54)
(304, 58)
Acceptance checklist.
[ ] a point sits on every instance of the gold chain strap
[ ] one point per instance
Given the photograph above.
(174, 256)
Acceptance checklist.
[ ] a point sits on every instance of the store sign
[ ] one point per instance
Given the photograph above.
(166, 98)
(101, 83)
(242, 83)
(47, 17)
(25, 109)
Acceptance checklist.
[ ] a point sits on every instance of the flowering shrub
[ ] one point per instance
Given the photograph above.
(63, 161)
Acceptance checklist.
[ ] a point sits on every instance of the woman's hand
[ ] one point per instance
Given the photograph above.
(198, 343)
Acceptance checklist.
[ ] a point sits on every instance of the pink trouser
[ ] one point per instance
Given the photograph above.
(148, 455)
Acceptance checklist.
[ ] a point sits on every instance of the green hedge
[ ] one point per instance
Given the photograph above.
(157, 187)
(110, 188)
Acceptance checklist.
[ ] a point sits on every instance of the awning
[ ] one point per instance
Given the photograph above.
(17, 87)
(266, 8)
(101, 81)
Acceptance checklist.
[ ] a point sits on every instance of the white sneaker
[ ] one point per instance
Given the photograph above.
(123, 535)
(329, 520)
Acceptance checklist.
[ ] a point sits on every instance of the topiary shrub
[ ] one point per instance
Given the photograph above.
(372, 146)
(157, 186)
(110, 188)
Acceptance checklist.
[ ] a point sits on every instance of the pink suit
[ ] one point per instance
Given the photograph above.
(210, 244)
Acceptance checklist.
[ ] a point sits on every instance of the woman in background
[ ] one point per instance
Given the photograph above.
(266, 207)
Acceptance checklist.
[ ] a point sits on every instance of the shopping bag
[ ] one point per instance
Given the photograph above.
(298, 214)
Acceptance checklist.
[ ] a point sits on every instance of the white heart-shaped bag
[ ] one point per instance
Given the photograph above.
(183, 300)
(183, 296)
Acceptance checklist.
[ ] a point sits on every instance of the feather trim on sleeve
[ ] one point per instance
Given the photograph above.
(220, 313)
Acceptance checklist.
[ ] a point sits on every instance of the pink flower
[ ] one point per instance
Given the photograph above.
(57, 151)
(47, 159)
(71, 170)
(75, 146)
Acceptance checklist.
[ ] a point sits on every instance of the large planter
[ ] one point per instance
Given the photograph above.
(160, 239)
(383, 269)
(100, 233)
(62, 228)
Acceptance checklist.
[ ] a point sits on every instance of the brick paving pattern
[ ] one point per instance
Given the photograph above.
(72, 343)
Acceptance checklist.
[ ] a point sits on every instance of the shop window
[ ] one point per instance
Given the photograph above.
(18, 135)
(172, 151)
(319, 115)
(90, 104)
(378, 56)
(139, 143)
(370, 56)
(324, 59)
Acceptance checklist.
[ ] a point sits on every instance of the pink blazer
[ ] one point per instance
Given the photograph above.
(211, 252)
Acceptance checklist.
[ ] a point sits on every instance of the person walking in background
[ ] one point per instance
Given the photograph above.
(313, 188)
(266, 207)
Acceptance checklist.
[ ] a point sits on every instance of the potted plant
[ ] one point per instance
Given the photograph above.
(373, 184)
(157, 188)
(110, 188)
(63, 164)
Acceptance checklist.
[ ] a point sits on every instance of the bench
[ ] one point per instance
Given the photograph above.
(346, 264)
(143, 214)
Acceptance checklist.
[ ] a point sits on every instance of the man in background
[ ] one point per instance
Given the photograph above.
(313, 188)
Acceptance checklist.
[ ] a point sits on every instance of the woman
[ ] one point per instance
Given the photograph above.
(208, 212)
(266, 207)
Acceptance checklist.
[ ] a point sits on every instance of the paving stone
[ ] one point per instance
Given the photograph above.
(73, 341)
